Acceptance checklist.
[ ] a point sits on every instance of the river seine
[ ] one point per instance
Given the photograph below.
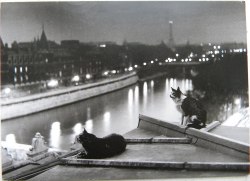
(116, 112)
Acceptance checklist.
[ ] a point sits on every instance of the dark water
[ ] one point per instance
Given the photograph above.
(114, 112)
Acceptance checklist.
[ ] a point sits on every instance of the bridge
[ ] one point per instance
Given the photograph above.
(173, 68)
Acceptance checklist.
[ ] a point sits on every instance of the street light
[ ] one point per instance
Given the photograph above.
(130, 68)
(76, 78)
(7, 90)
(53, 83)
(106, 73)
(88, 76)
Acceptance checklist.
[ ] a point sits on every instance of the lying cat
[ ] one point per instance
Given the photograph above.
(101, 147)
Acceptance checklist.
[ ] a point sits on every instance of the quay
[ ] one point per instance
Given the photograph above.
(156, 149)
(23, 106)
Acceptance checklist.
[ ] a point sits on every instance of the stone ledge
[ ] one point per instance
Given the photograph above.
(160, 140)
(220, 140)
(160, 123)
(211, 126)
(199, 137)
(159, 165)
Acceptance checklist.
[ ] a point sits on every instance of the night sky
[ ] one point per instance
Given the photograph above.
(145, 22)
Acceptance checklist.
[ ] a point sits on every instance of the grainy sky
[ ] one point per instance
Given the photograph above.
(145, 22)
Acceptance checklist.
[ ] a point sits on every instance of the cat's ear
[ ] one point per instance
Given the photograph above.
(178, 89)
(84, 131)
(172, 89)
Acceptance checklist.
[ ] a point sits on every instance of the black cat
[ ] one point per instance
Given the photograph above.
(101, 147)
(192, 110)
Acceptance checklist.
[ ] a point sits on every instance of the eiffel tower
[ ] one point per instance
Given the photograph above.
(171, 43)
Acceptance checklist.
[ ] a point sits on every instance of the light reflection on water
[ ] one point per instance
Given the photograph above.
(114, 112)
(89, 125)
(10, 139)
(55, 134)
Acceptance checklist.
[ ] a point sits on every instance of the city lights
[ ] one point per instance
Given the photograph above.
(103, 46)
(237, 101)
(144, 63)
(7, 90)
(53, 83)
(216, 52)
(88, 76)
(106, 73)
(113, 71)
(136, 66)
(130, 68)
(76, 78)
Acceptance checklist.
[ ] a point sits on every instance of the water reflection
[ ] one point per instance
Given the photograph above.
(152, 83)
(55, 134)
(88, 113)
(130, 99)
(89, 125)
(10, 139)
(106, 118)
(145, 89)
(77, 128)
(136, 95)
(167, 87)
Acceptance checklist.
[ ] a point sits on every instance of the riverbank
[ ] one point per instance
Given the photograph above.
(22, 106)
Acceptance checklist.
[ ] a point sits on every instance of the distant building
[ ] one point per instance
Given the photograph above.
(42, 59)
(4, 63)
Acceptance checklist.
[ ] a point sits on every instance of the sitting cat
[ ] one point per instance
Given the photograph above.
(192, 110)
(101, 147)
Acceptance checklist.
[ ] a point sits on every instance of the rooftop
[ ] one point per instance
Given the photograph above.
(155, 150)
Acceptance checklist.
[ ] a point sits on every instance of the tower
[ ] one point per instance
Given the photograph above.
(171, 43)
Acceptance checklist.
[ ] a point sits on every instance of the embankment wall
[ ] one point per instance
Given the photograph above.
(40, 102)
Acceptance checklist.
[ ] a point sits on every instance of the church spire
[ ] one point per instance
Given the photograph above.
(43, 44)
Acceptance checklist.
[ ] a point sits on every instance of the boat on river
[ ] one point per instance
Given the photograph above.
(156, 149)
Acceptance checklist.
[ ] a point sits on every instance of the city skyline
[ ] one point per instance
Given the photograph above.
(144, 22)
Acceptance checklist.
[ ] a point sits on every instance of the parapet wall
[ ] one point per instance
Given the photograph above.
(199, 137)
(36, 103)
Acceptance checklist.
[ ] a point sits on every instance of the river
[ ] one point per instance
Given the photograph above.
(113, 112)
